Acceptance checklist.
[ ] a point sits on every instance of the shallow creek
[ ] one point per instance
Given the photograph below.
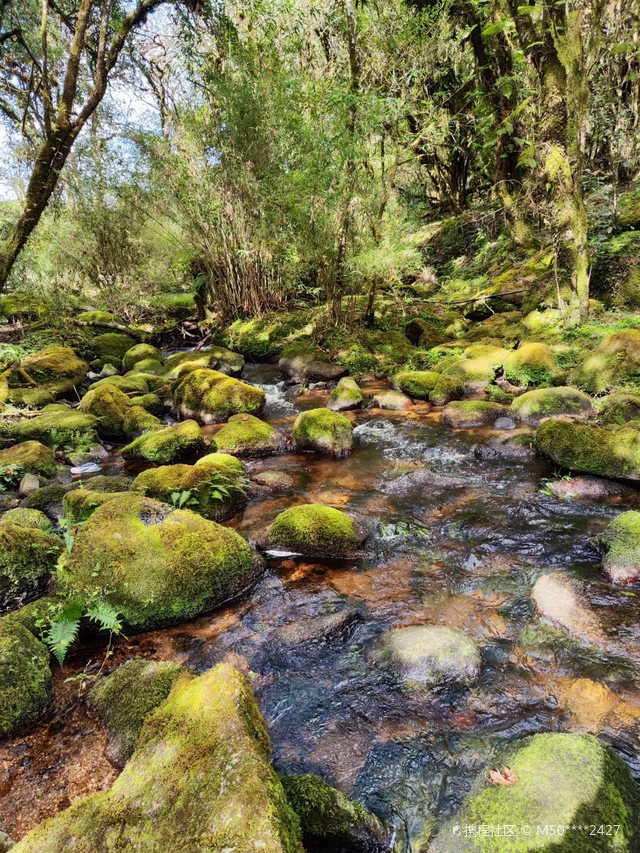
(464, 553)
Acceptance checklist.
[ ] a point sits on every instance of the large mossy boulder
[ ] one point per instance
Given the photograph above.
(614, 362)
(199, 780)
(79, 504)
(140, 353)
(330, 821)
(591, 450)
(213, 358)
(315, 530)
(24, 517)
(210, 396)
(346, 395)
(32, 456)
(619, 408)
(126, 697)
(323, 431)
(30, 398)
(132, 384)
(480, 364)
(57, 369)
(214, 487)
(429, 385)
(27, 559)
(533, 407)
(110, 406)
(112, 344)
(621, 542)
(246, 435)
(25, 678)
(302, 361)
(531, 364)
(561, 780)
(66, 429)
(463, 414)
(424, 333)
(157, 565)
(167, 445)
(427, 656)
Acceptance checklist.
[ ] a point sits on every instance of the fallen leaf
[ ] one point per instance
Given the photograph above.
(507, 777)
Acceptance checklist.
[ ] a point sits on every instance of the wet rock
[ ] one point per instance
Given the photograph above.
(422, 478)
(302, 362)
(167, 445)
(210, 396)
(561, 780)
(613, 362)
(621, 542)
(157, 565)
(429, 385)
(248, 436)
(432, 656)
(330, 821)
(463, 414)
(68, 429)
(126, 697)
(32, 456)
(505, 423)
(591, 450)
(395, 401)
(582, 488)
(25, 678)
(315, 530)
(346, 395)
(620, 408)
(592, 706)
(533, 407)
(515, 447)
(323, 431)
(319, 629)
(561, 601)
(213, 358)
(198, 779)
(273, 480)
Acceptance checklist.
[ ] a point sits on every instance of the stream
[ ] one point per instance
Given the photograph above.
(462, 550)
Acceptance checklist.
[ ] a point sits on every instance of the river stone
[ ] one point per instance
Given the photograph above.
(621, 542)
(57, 369)
(25, 677)
(167, 445)
(323, 431)
(248, 436)
(60, 428)
(620, 408)
(533, 407)
(462, 414)
(302, 362)
(429, 385)
(214, 358)
(560, 601)
(32, 456)
(211, 396)
(138, 353)
(432, 656)
(562, 780)
(394, 401)
(514, 447)
(314, 530)
(198, 780)
(27, 558)
(591, 450)
(28, 484)
(583, 488)
(422, 478)
(346, 395)
(110, 406)
(318, 629)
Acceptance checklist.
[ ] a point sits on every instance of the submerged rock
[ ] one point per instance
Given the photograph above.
(561, 780)
(210, 396)
(515, 447)
(615, 361)
(346, 395)
(324, 431)
(422, 478)
(621, 542)
(167, 445)
(533, 407)
(246, 435)
(315, 530)
(33, 456)
(429, 385)
(318, 629)
(590, 449)
(463, 414)
(432, 656)
(199, 779)
(395, 401)
(25, 678)
(27, 558)
(560, 601)
(157, 565)
(582, 488)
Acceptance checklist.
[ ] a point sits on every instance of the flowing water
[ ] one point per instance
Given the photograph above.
(462, 547)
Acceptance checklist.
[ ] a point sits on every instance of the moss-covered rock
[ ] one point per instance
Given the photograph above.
(562, 780)
(30, 398)
(212, 358)
(346, 395)
(138, 420)
(330, 821)
(149, 366)
(58, 369)
(214, 487)
(109, 405)
(619, 408)
(126, 697)
(164, 446)
(24, 517)
(324, 431)
(47, 498)
(25, 678)
(112, 344)
(264, 338)
(591, 450)
(132, 384)
(36, 615)
(157, 565)
(60, 429)
(151, 402)
(621, 542)
(138, 353)
(426, 656)
(424, 333)
(530, 364)
(480, 367)
(614, 362)
(245, 435)
(429, 385)
(199, 779)
(533, 407)
(79, 504)
(302, 361)
(315, 530)
(32, 456)
(96, 318)
(462, 414)
(211, 397)
(27, 558)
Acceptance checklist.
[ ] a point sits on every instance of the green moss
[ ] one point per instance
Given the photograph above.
(30, 398)
(614, 362)
(67, 429)
(108, 483)
(138, 353)
(25, 678)
(496, 394)
(531, 364)
(245, 435)
(56, 368)
(212, 397)
(266, 337)
(46, 496)
(212, 358)
(199, 779)
(91, 318)
(429, 385)
(471, 413)
(112, 343)
(620, 408)
(324, 431)
(110, 406)
(151, 402)
(138, 420)
(24, 517)
(36, 615)
(79, 504)
(32, 456)
(127, 696)
(132, 383)
(346, 395)
(312, 528)
(157, 565)
(591, 450)
(27, 558)
(534, 406)
(168, 444)
(480, 364)
(621, 541)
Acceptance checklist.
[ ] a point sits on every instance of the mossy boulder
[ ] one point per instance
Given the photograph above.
(429, 385)
(562, 780)
(302, 361)
(212, 358)
(112, 344)
(213, 487)
(199, 779)
(619, 408)
(96, 318)
(323, 431)
(621, 543)
(47, 498)
(132, 384)
(157, 565)
(35, 615)
(27, 558)
(79, 504)
(24, 517)
(126, 697)
(58, 369)
(426, 656)
(462, 414)
(30, 398)
(152, 403)
(330, 821)
(535, 406)
(109, 405)
(211, 397)
(149, 366)
(25, 678)
(530, 364)
(33, 456)
(591, 450)
(66, 429)
(346, 395)
(315, 530)
(424, 333)
(245, 435)
(138, 353)
(614, 362)
(167, 445)
(138, 420)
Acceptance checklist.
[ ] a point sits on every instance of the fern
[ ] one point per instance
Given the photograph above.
(106, 617)
(63, 630)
